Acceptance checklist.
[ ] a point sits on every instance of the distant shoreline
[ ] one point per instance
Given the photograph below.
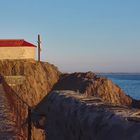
(117, 73)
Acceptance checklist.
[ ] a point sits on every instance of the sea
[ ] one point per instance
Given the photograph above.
(129, 83)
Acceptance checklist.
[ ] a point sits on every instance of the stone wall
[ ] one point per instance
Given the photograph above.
(17, 52)
(14, 80)
(67, 115)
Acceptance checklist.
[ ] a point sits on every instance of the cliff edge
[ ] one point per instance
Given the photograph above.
(92, 85)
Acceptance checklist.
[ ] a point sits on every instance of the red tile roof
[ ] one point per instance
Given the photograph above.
(15, 43)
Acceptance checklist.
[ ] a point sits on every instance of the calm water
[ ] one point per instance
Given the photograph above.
(130, 83)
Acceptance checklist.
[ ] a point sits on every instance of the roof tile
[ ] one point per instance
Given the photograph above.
(15, 43)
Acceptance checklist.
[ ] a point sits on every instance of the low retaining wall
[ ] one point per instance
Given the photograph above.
(14, 80)
(66, 115)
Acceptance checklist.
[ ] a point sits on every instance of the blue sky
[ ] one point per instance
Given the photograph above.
(78, 35)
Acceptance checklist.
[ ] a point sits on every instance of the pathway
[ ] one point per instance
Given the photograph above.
(7, 124)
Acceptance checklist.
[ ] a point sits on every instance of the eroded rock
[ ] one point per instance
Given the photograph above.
(93, 85)
(39, 80)
(72, 116)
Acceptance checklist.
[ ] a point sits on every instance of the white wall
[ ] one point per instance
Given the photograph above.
(17, 52)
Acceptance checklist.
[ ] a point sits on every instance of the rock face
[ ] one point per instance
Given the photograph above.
(66, 115)
(39, 78)
(92, 85)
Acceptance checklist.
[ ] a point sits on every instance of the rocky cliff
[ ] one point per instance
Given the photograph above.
(38, 79)
(92, 85)
(87, 107)
(66, 115)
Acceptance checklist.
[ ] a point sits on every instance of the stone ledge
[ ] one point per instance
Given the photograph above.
(76, 117)
(14, 80)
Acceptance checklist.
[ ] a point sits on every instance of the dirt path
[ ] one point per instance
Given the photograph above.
(7, 124)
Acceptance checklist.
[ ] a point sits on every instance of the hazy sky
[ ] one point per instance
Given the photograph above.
(78, 35)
